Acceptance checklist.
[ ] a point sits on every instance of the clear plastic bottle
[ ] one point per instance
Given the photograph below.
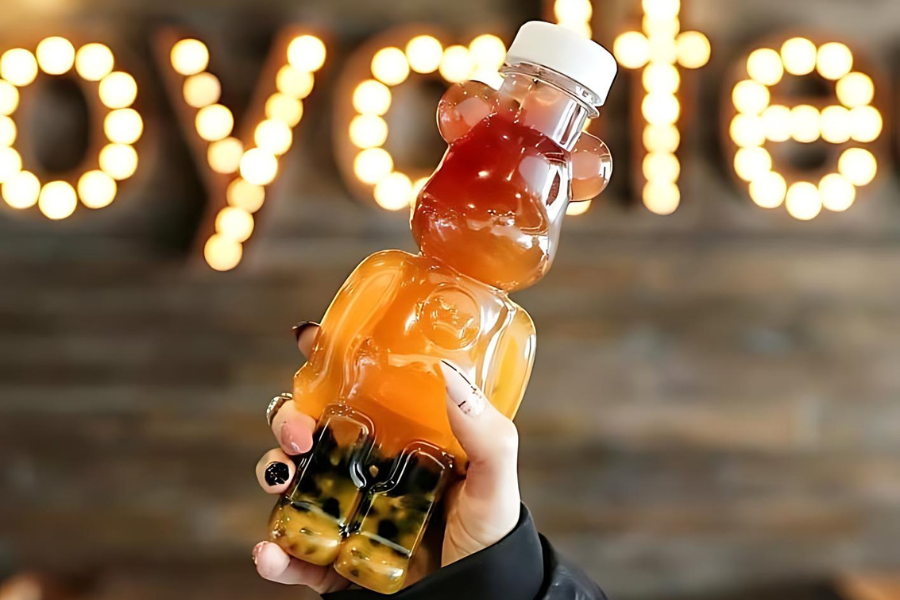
(487, 222)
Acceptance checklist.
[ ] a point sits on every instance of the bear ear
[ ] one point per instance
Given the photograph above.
(463, 106)
(591, 167)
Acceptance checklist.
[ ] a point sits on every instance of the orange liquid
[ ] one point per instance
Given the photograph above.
(484, 226)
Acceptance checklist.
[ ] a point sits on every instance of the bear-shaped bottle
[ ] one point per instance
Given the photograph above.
(487, 222)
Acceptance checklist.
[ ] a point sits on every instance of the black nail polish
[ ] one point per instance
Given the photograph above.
(277, 473)
(300, 327)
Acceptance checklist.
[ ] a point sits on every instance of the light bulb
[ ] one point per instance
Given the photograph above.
(10, 163)
(747, 130)
(290, 81)
(259, 167)
(661, 167)
(660, 109)
(776, 121)
(750, 97)
(394, 192)
(456, 64)
(750, 163)
(661, 9)
(18, 66)
(803, 201)
(661, 198)
(243, 194)
(488, 52)
(7, 131)
(96, 189)
(372, 165)
(836, 124)
(368, 131)
(768, 189)
(57, 200)
(661, 138)
(306, 53)
(221, 253)
(21, 190)
(119, 161)
(837, 192)
(214, 122)
(805, 123)
(234, 223)
(693, 49)
(834, 60)
(281, 107)
(94, 61)
(661, 78)
(799, 56)
(424, 53)
(189, 56)
(273, 136)
(123, 126)
(224, 156)
(764, 66)
(632, 50)
(389, 65)
(9, 98)
(202, 90)
(865, 123)
(858, 166)
(55, 55)
(572, 11)
(371, 98)
(855, 89)
(118, 90)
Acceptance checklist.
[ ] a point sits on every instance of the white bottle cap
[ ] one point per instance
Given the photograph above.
(566, 52)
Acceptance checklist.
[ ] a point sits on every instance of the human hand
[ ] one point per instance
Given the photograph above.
(480, 510)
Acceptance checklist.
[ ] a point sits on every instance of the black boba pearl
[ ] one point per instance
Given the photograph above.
(388, 530)
(277, 473)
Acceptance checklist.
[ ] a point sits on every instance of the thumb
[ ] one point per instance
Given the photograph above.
(489, 439)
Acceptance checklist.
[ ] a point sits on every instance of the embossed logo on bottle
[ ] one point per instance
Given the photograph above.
(450, 317)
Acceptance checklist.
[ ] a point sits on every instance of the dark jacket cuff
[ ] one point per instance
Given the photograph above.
(512, 569)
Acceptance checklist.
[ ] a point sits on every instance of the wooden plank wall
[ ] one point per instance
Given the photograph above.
(716, 403)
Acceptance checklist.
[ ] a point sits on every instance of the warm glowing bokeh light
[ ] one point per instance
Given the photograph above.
(394, 192)
(224, 156)
(834, 60)
(295, 83)
(372, 98)
(9, 98)
(123, 126)
(858, 166)
(837, 192)
(803, 201)
(661, 167)
(10, 163)
(776, 121)
(8, 131)
(368, 131)
(234, 223)
(119, 161)
(865, 124)
(660, 109)
(189, 56)
(57, 200)
(456, 64)
(214, 122)
(221, 253)
(274, 136)
(693, 49)
(372, 165)
(764, 66)
(21, 190)
(767, 190)
(747, 130)
(836, 124)
(424, 53)
(855, 89)
(202, 90)
(661, 198)
(389, 65)
(578, 208)
(805, 123)
(799, 56)
(750, 163)
(284, 108)
(306, 53)
(94, 61)
(243, 194)
(750, 97)
(488, 51)
(55, 55)
(96, 189)
(18, 66)
(632, 50)
(661, 138)
(259, 167)
(118, 90)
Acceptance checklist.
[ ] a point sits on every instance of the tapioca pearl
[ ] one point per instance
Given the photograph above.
(332, 507)
(388, 530)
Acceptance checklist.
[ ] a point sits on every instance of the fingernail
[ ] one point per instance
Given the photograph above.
(288, 441)
(461, 392)
(277, 473)
(256, 550)
(299, 328)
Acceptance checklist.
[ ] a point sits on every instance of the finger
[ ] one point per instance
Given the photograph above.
(489, 439)
(274, 564)
(275, 471)
(591, 167)
(293, 429)
(306, 332)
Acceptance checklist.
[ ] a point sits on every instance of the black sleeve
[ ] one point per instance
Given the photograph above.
(521, 566)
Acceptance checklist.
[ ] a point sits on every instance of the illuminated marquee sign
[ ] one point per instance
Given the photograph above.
(238, 158)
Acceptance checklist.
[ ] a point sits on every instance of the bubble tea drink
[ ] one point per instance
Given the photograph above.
(487, 223)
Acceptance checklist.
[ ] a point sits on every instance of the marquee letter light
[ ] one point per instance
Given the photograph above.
(658, 52)
(757, 116)
(238, 167)
(365, 95)
(111, 158)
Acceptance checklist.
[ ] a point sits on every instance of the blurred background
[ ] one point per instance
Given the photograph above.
(715, 409)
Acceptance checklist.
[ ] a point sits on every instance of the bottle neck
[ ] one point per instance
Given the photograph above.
(548, 102)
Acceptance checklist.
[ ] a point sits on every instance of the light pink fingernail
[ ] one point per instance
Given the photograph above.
(256, 550)
(289, 441)
(461, 392)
